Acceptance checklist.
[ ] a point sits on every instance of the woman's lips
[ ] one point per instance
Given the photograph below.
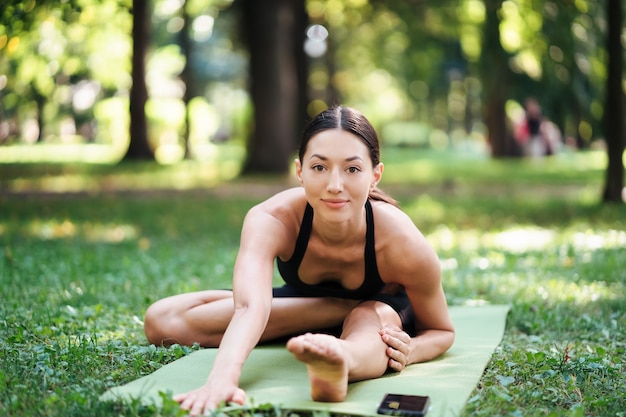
(334, 203)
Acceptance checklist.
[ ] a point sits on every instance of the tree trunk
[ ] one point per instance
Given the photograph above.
(187, 76)
(302, 68)
(613, 109)
(494, 75)
(333, 97)
(41, 103)
(274, 83)
(139, 147)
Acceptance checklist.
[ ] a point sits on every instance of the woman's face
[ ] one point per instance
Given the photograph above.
(337, 174)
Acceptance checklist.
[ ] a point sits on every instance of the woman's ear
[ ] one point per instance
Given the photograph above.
(378, 175)
(298, 169)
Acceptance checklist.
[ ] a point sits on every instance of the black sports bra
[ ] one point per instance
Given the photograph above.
(372, 283)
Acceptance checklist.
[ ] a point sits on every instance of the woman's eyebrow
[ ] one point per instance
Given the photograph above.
(325, 158)
(354, 158)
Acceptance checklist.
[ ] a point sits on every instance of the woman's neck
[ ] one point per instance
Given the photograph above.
(344, 233)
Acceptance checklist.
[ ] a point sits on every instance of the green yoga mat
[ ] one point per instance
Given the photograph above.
(272, 375)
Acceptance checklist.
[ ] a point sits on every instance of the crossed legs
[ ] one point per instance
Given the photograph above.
(202, 317)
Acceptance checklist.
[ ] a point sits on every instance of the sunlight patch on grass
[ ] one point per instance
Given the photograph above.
(179, 177)
(91, 153)
(521, 239)
(564, 290)
(592, 240)
(90, 231)
(532, 265)
(57, 183)
(221, 164)
(423, 166)
(527, 287)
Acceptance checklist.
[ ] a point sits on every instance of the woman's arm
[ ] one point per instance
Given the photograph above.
(435, 331)
(431, 340)
(252, 292)
(415, 266)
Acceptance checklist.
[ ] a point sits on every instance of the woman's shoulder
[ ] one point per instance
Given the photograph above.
(273, 223)
(399, 242)
(392, 218)
(286, 206)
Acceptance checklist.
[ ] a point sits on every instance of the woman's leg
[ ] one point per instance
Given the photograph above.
(202, 317)
(359, 354)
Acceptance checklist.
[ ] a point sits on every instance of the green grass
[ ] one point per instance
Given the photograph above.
(77, 272)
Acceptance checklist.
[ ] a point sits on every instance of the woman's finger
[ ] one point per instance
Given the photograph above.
(398, 341)
(395, 365)
(397, 360)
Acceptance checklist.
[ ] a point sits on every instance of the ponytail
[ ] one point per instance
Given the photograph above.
(379, 195)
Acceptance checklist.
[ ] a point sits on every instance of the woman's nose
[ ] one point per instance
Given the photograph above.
(335, 182)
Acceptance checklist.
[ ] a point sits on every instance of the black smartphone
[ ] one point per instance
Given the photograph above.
(404, 405)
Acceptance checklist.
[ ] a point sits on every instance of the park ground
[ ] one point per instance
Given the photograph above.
(86, 248)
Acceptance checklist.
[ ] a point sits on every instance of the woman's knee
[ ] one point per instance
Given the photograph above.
(157, 324)
(376, 313)
(190, 318)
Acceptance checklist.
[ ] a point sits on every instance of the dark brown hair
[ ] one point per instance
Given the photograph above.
(352, 121)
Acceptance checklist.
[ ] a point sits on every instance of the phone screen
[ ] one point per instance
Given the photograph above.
(404, 405)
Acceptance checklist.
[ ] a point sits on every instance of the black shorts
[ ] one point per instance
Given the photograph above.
(399, 301)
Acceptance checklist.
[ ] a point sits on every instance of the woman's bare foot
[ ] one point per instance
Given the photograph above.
(326, 364)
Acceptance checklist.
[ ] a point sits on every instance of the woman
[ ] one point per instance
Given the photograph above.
(385, 293)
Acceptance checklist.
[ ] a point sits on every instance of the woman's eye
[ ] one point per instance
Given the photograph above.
(318, 168)
(353, 170)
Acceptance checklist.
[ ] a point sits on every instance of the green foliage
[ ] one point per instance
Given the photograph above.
(18, 16)
(419, 61)
(397, 61)
(78, 271)
(57, 64)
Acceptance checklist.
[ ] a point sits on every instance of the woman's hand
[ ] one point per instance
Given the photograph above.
(208, 397)
(398, 346)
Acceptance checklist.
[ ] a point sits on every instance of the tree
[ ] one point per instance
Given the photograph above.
(302, 68)
(494, 74)
(187, 75)
(272, 31)
(139, 147)
(614, 108)
(19, 22)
